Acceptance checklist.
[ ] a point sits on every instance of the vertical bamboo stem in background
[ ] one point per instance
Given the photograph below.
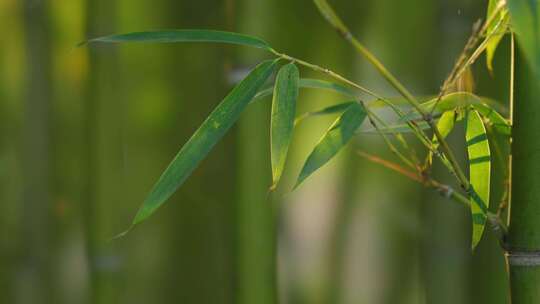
(100, 16)
(524, 229)
(256, 235)
(36, 241)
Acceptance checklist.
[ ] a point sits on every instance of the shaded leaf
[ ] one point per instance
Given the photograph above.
(337, 136)
(479, 172)
(173, 36)
(282, 122)
(203, 140)
(525, 21)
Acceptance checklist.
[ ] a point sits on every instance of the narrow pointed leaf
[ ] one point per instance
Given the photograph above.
(525, 21)
(479, 172)
(203, 140)
(283, 113)
(495, 32)
(173, 36)
(337, 136)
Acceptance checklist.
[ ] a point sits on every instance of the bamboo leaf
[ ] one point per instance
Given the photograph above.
(173, 36)
(479, 172)
(493, 33)
(525, 16)
(337, 136)
(204, 139)
(282, 122)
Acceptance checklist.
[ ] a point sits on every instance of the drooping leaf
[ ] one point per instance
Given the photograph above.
(307, 83)
(479, 172)
(173, 36)
(495, 31)
(203, 140)
(283, 113)
(525, 15)
(334, 109)
(335, 138)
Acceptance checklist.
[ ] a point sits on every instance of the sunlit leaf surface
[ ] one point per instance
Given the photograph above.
(479, 172)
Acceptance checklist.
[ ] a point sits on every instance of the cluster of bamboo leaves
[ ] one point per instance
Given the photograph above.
(356, 114)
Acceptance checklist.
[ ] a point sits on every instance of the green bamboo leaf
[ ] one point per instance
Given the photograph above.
(173, 36)
(479, 172)
(525, 21)
(307, 83)
(335, 138)
(204, 139)
(495, 33)
(282, 122)
(333, 109)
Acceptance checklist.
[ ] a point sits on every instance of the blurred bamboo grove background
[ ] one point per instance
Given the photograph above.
(85, 132)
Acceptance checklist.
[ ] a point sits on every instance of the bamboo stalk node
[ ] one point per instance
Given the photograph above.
(523, 258)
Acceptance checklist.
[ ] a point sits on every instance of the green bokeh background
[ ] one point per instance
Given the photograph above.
(85, 132)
